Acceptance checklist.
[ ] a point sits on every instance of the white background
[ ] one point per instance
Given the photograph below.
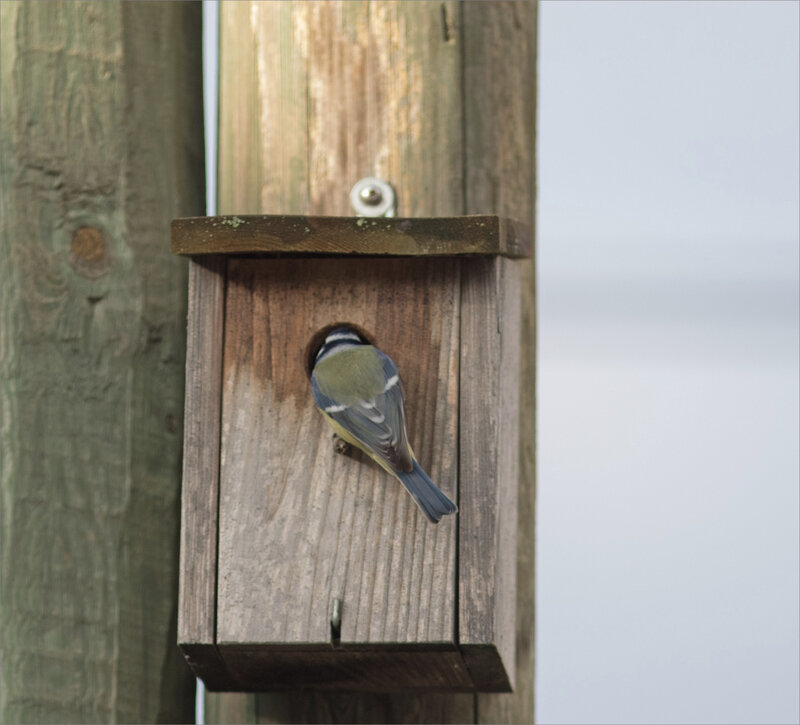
(667, 542)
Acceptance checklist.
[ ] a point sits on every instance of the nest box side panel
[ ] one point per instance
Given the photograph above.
(300, 524)
(198, 557)
(489, 440)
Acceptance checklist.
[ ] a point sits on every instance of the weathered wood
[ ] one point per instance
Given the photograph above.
(388, 89)
(347, 707)
(351, 668)
(316, 95)
(227, 707)
(197, 587)
(488, 419)
(101, 147)
(475, 235)
(298, 551)
(301, 525)
(500, 116)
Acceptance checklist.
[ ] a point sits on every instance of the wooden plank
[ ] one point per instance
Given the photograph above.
(197, 584)
(473, 235)
(100, 149)
(224, 707)
(207, 663)
(361, 89)
(245, 79)
(313, 706)
(203, 399)
(500, 122)
(488, 419)
(363, 669)
(300, 525)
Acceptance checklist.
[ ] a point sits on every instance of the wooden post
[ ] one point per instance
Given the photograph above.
(438, 98)
(101, 146)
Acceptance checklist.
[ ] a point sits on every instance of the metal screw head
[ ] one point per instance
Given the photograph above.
(372, 197)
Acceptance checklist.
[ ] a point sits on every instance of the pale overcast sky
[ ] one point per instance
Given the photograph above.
(667, 555)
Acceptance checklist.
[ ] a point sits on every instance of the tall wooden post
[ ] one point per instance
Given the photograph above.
(101, 146)
(438, 98)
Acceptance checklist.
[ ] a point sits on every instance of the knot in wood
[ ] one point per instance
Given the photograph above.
(89, 252)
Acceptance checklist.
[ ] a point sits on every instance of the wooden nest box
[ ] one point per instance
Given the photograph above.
(278, 529)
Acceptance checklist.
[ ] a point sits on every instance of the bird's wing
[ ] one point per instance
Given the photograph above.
(380, 423)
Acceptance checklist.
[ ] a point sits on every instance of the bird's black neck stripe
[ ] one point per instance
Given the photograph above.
(338, 340)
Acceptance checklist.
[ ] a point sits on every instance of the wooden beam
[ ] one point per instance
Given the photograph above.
(101, 146)
(488, 416)
(287, 234)
(438, 99)
(317, 95)
(500, 176)
(197, 587)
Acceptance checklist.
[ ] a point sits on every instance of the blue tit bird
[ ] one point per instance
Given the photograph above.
(358, 390)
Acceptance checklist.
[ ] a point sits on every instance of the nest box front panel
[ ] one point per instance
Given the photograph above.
(300, 524)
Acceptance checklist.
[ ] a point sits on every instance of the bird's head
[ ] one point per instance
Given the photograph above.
(333, 338)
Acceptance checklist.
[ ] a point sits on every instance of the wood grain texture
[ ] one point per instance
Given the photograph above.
(488, 419)
(301, 525)
(455, 236)
(198, 556)
(500, 118)
(101, 147)
(349, 707)
(410, 80)
(355, 668)
(197, 588)
(316, 95)
(231, 707)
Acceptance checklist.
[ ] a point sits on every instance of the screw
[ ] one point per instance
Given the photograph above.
(336, 622)
(371, 195)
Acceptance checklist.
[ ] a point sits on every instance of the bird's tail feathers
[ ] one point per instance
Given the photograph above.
(426, 493)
